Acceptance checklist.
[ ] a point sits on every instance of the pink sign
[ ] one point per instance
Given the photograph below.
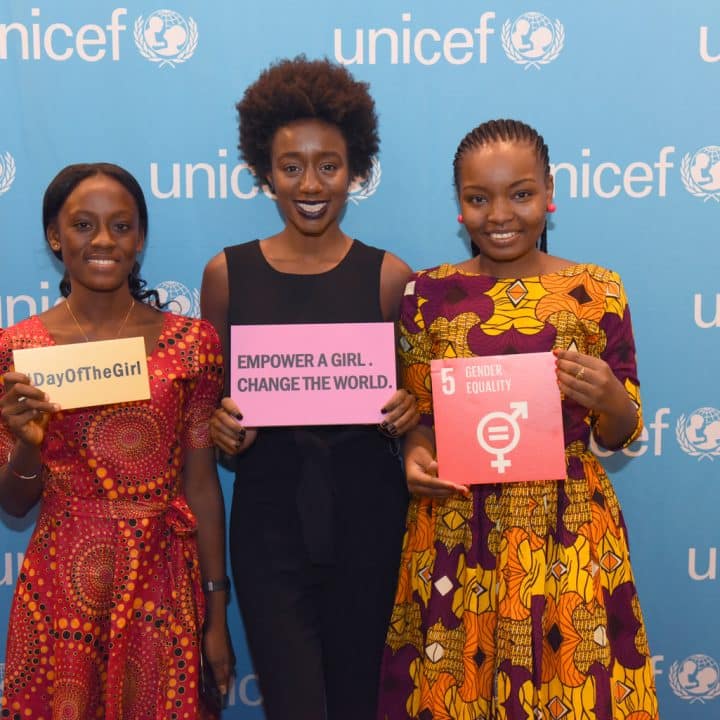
(498, 419)
(320, 374)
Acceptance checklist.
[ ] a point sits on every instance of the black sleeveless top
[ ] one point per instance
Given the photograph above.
(315, 463)
(262, 295)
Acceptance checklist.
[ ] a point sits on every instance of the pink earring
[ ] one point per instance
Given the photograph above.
(460, 219)
(552, 207)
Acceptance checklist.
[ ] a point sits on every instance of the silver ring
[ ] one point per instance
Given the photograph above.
(580, 373)
(21, 399)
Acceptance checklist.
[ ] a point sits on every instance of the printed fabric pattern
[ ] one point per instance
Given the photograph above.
(108, 610)
(518, 602)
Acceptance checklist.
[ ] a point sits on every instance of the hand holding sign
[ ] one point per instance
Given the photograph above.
(85, 374)
(25, 409)
(498, 419)
(227, 430)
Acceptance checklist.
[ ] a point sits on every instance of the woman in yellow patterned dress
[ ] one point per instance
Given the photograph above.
(517, 600)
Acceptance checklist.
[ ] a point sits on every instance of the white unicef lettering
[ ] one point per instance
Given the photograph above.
(699, 315)
(641, 445)
(34, 42)
(710, 573)
(704, 52)
(426, 45)
(190, 171)
(465, 42)
(10, 573)
(83, 41)
(244, 686)
(174, 191)
(48, 42)
(392, 37)
(636, 180)
(219, 181)
(8, 315)
(418, 46)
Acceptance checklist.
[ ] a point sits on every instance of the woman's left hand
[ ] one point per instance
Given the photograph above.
(401, 414)
(588, 381)
(218, 652)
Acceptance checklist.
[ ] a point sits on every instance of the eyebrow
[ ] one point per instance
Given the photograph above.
(300, 153)
(512, 185)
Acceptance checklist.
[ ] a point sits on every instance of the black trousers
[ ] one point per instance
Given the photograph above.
(315, 556)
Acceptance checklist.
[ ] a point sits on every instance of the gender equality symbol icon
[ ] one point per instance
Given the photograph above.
(498, 427)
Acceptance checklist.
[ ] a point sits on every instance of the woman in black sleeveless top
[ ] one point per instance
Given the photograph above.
(318, 512)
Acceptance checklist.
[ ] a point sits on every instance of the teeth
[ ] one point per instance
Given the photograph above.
(314, 208)
(501, 236)
(99, 261)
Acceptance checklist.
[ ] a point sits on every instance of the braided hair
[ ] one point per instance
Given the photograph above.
(503, 131)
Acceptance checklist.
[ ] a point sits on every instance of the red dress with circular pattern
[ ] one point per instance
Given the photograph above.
(107, 612)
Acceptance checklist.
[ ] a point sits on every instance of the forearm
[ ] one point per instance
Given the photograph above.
(206, 501)
(21, 480)
(420, 436)
(617, 422)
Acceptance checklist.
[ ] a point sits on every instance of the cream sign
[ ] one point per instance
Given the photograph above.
(86, 374)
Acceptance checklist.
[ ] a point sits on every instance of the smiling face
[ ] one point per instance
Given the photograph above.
(310, 176)
(504, 192)
(98, 233)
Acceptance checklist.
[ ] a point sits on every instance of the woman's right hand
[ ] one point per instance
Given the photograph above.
(25, 409)
(421, 470)
(226, 430)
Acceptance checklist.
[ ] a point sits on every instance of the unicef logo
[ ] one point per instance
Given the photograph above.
(166, 37)
(363, 189)
(696, 678)
(7, 171)
(533, 39)
(699, 434)
(179, 299)
(701, 173)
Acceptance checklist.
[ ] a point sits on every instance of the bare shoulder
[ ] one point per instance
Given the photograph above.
(216, 268)
(394, 275)
(395, 268)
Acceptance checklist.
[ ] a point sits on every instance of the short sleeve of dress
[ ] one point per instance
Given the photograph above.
(619, 352)
(416, 351)
(205, 387)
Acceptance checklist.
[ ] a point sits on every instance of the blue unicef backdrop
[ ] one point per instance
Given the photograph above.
(626, 95)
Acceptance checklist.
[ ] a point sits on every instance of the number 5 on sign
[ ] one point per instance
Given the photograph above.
(498, 419)
(448, 380)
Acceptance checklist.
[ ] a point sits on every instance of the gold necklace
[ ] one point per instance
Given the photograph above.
(79, 326)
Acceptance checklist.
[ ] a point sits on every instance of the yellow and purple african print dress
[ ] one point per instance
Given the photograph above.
(108, 610)
(519, 601)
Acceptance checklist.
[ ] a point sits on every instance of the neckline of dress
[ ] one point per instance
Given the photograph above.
(271, 267)
(163, 331)
(568, 270)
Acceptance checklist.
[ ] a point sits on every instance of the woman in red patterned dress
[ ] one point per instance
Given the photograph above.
(109, 616)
